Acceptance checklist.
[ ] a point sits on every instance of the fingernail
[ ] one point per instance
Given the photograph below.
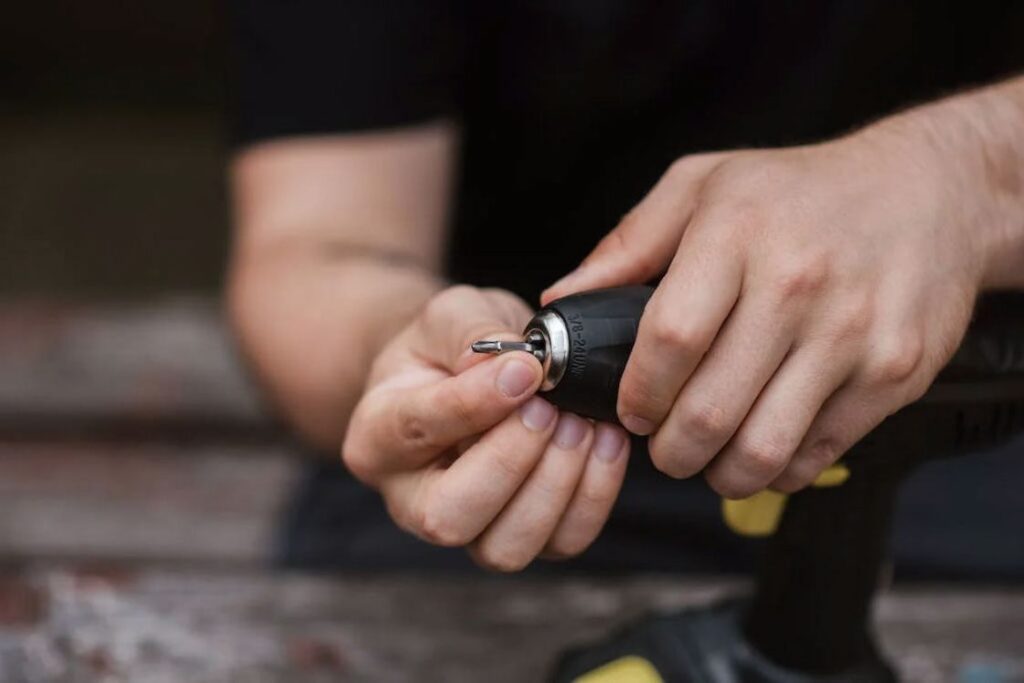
(608, 444)
(516, 378)
(570, 431)
(537, 414)
(638, 425)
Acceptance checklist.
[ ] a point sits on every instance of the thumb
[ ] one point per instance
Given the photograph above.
(642, 245)
(460, 315)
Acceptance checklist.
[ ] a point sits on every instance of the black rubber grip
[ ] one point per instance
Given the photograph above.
(602, 327)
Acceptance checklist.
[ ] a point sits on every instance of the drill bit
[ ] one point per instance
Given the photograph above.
(487, 346)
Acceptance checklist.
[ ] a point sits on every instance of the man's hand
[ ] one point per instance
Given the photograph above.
(464, 453)
(809, 293)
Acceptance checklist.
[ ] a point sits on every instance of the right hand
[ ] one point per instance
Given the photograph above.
(463, 452)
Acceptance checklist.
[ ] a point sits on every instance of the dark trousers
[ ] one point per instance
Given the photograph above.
(961, 518)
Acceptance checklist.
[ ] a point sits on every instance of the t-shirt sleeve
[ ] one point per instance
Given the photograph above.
(325, 66)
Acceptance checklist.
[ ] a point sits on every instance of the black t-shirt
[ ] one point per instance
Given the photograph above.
(569, 111)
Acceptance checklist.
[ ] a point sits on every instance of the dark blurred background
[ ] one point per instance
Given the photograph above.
(111, 147)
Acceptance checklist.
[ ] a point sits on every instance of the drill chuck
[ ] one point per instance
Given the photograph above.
(583, 341)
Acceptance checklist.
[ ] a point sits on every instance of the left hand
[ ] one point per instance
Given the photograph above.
(462, 451)
(810, 292)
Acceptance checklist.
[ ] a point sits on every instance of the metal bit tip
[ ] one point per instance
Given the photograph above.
(486, 346)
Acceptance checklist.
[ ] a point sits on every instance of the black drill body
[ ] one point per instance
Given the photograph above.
(810, 614)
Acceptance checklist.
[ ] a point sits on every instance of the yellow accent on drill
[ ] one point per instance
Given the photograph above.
(759, 514)
(629, 669)
(832, 476)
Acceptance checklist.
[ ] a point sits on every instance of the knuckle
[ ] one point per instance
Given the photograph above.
(730, 486)
(802, 277)
(915, 391)
(436, 307)
(697, 166)
(804, 477)
(456, 294)
(511, 309)
(444, 302)
(446, 306)
(818, 455)
(705, 421)
(356, 449)
(501, 558)
(764, 457)
(685, 170)
(895, 361)
(356, 461)
(791, 482)
(412, 430)
(682, 168)
(667, 459)
(569, 545)
(438, 527)
(404, 518)
(678, 335)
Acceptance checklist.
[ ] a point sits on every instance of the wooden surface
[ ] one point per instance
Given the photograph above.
(203, 627)
(163, 362)
(180, 502)
(131, 432)
(140, 482)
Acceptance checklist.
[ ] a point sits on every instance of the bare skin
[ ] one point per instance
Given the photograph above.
(328, 266)
(809, 293)
(336, 294)
(462, 451)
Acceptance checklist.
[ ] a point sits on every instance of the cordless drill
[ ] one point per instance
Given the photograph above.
(809, 616)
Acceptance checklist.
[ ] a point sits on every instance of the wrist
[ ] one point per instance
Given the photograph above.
(310, 326)
(969, 150)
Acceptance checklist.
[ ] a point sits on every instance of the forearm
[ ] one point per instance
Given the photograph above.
(311, 322)
(976, 143)
(337, 243)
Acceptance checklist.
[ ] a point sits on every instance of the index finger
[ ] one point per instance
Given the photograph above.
(402, 427)
(677, 328)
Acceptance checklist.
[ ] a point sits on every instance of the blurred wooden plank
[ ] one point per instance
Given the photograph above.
(935, 632)
(142, 501)
(154, 362)
(66, 625)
